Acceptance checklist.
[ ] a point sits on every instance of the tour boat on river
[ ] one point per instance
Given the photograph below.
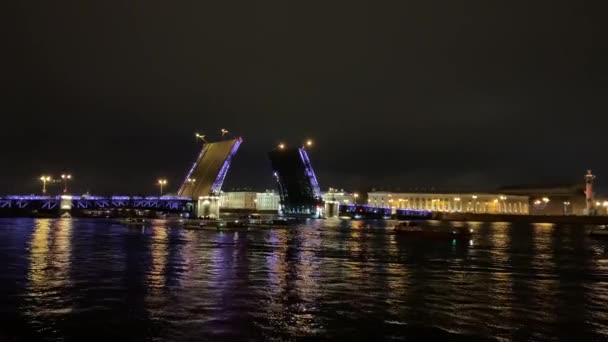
(600, 232)
(417, 230)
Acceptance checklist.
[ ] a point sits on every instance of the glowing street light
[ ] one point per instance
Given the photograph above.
(162, 183)
(44, 180)
(308, 143)
(200, 136)
(546, 200)
(224, 131)
(356, 196)
(65, 178)
(281, 146)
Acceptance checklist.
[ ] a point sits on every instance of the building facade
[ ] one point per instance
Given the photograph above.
(481, 203)
(267, 201)
(340, 196)
(238, 200)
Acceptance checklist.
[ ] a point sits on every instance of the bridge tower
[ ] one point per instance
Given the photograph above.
(589, 195)
(296, 181)
(204, 181)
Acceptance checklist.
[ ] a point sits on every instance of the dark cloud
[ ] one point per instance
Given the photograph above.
(413, 93)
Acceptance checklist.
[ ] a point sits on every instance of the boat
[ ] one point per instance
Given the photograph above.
(416, 230)
(600, 232)
(208, 223)
(282, 222)
(134, 221)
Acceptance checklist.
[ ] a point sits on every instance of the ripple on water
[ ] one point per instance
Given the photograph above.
(74, 278)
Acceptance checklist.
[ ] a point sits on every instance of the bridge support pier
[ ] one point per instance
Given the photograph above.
(208, 206)
(332, 209)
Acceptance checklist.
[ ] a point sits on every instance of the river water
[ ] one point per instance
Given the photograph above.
(77, 280)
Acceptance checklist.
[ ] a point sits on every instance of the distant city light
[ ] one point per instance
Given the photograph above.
(281, 146)
(308, 142)
(546, 199)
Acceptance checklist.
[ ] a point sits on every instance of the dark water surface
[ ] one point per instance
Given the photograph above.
(80, 280)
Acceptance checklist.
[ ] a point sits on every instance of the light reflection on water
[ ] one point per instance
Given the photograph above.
(327, 280)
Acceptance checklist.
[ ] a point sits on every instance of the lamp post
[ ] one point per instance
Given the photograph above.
(200, 137)
(566, 207)
(356, 196)
(44, 179)
(65, 178)
(162, 183)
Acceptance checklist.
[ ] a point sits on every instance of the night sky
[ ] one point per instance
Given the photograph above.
(425, 93)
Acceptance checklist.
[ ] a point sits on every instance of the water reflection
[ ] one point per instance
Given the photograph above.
(331, 280)
(158, 253)
(49, 269)
(545, 282)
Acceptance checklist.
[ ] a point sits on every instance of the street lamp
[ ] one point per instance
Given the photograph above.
(281, 146)
(308, 143)
(356, 196)
(224, 131)
(65, 179)
(44, 179)
(200, 136)
(566, 207)
(162, 183)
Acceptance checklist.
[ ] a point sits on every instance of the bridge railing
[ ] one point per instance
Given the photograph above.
(67, 202)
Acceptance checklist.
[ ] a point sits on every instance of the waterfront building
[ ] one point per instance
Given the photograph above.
(238, 200)
(335, 198)
(552, 199)
(482, 203)
(267, 201)
(339, 195)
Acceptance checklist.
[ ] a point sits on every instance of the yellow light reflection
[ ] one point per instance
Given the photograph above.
(159, 244)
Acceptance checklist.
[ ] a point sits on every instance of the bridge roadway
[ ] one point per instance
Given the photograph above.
(68, 203)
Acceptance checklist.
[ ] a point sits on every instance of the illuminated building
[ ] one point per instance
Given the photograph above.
(267, 201)
(338, 195)
(482, 203)
(238, 200)
(250, 200)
